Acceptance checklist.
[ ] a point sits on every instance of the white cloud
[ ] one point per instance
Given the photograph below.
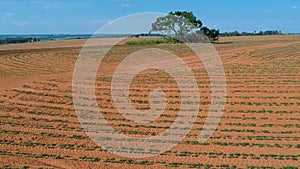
(295, 7)
(119, 1)
(125, 5)
(9, 14)
(47, 4)
(94, 21)
(21, 23)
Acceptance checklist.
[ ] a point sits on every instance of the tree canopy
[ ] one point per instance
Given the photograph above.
(181, 24)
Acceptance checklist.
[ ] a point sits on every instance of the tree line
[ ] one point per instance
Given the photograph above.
(18, 40)
(236, 33)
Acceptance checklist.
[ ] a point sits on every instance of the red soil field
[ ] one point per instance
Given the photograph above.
(259, 127)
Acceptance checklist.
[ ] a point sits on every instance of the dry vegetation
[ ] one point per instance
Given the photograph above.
(259, 128)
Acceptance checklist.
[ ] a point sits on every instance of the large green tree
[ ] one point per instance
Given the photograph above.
(212, 34)
(181, 23)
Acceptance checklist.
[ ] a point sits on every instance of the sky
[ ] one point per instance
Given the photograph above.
(87, 16)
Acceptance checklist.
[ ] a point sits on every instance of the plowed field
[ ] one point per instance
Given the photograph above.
(259, 128)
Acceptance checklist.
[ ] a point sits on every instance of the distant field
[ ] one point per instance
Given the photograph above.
(259, 128)
(56, 44)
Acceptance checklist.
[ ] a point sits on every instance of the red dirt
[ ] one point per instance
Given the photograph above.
(260, 124)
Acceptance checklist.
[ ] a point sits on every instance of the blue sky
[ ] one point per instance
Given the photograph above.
(87, 16)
